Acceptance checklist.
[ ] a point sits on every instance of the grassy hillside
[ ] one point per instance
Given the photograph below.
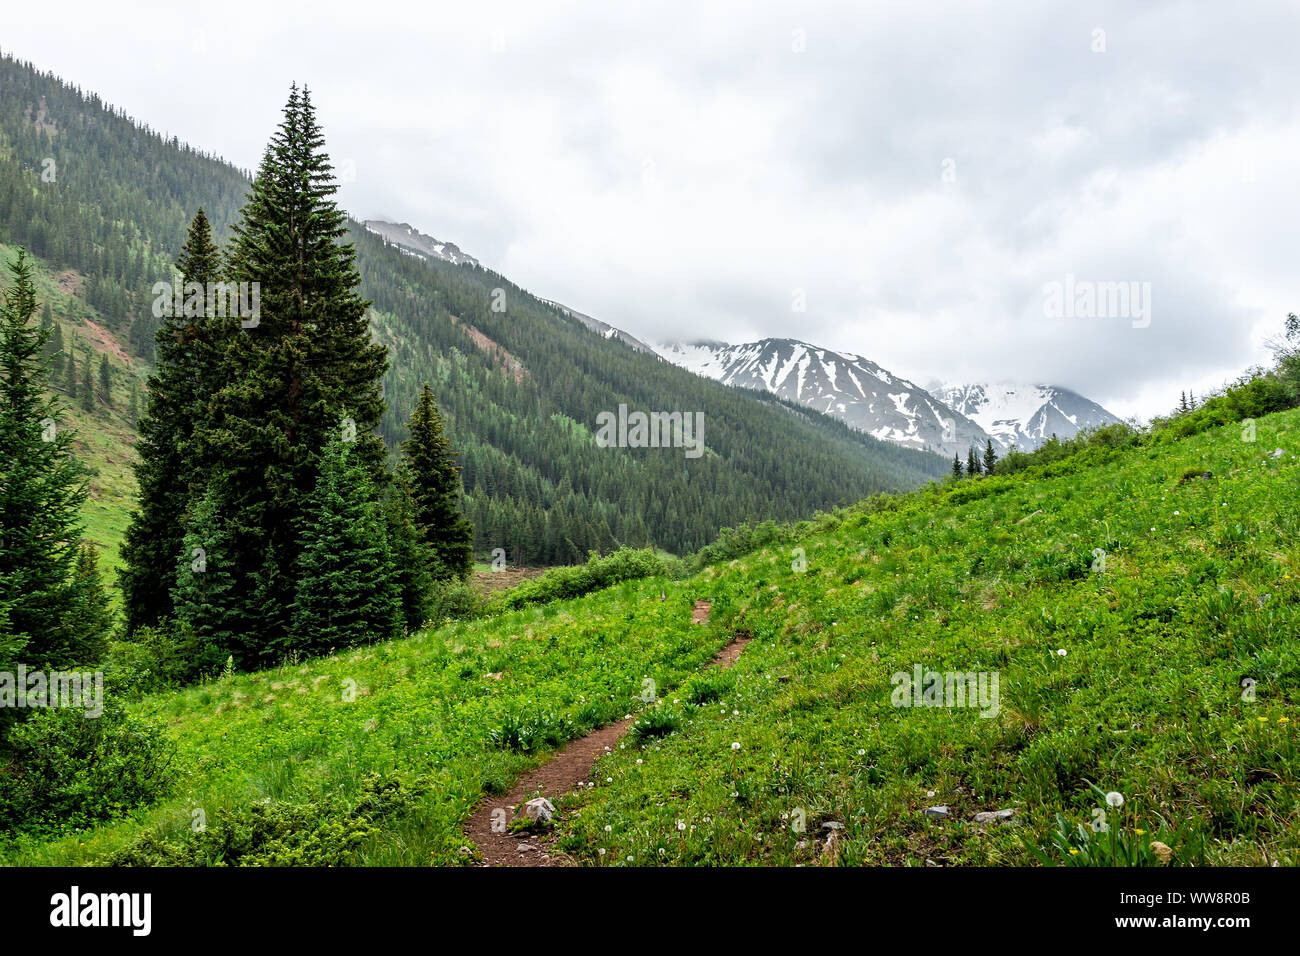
(1120, 669)
(105, 438)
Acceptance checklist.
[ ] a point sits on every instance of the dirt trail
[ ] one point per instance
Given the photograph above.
(559, 776)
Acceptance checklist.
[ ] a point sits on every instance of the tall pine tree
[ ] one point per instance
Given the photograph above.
(169, 459)
(436, 488)
(291, 372)
(990, 457)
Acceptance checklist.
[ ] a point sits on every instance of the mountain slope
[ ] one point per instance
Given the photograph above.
(1025, 415)
(849, 387)
(522, 384)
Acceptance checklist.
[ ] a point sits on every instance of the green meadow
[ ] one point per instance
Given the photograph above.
(1138, 607)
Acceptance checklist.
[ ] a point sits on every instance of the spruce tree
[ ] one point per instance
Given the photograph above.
(87, 387)
(956, 465)
(168, 455)
(55, 350)
(436, 488)
(70, 371)
(972, 462)
(105, 381)
(990, 457)
(412, 556)
(42, 490)
(347, 587)
(290, 376)
(203, 581)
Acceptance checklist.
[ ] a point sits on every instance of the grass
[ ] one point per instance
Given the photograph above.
(1142, 630)
(1199, 593)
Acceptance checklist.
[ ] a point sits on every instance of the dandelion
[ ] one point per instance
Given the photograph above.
(1115, 799)
(1060, 652)
(1262, 720)
(681, 824)
(1284, 720)
(735, 745)
(1139, 831)
(608, 828)
(601, 851)
(1073, 851)
(861, 752)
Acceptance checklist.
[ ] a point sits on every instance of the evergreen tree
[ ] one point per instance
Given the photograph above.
(347, 585)
(105, 381)
(202, 594)
(412, 556)
(42, 489)
(168, 456)
(290, 376)
(990, 457)
(53, 339)
(436, 487)
(87, 387)
(956, 465)
(70, 372)
(972, 462)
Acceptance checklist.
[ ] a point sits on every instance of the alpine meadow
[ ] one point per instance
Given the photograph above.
(323, 544)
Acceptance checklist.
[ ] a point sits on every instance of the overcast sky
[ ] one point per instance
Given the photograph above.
(912, 173)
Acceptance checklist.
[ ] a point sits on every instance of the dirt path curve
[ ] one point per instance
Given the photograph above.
(560, 775)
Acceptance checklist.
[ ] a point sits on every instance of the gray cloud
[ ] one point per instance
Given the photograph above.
(680, 170)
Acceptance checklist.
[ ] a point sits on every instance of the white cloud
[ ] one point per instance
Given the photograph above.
(679, 169)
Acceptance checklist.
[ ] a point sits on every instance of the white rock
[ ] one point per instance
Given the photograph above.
(938, 812)
(539, 810)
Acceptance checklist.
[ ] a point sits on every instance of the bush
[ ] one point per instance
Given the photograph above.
(453, 601)
(61, 769)
(658, 721)
(323, 832)
(160, 658)
(625, 564)
(528, 732)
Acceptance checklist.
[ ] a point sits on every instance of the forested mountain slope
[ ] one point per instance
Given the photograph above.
(94, 194)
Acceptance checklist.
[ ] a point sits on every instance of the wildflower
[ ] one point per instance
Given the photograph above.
(1139, 831)
(601, 851)
(1060, 652)
(608, 828)
(1284, 720)
(681, 824)
(1262, 720)
(735, 745)
(1073, 851)
(1115, 799)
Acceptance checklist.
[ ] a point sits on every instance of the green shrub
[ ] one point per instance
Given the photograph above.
(453, 601)
(659, 721)
(160, 658)
(61, 769)
(528, 732)
(625, 564)
(322, 832)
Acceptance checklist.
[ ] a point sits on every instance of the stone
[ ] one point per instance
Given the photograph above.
(989, 816)
(539, 810)
(938, 812)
